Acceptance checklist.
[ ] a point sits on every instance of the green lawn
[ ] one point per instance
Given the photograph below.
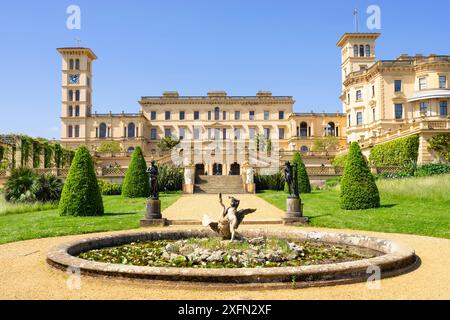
(120, 214)
(413, 206)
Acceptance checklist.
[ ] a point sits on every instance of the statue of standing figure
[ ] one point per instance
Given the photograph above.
(291, 177)
(153, 172)
(250, 176)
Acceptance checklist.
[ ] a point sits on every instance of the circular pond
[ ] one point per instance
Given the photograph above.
(313, 258)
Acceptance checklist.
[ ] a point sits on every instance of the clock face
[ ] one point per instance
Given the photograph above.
(74, 78)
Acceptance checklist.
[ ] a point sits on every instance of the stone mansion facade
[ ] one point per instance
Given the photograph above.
(382, 100)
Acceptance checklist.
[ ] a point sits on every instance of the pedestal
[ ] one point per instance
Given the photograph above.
(294, 212)
(188, 188)
(250, 188)
(153, 217)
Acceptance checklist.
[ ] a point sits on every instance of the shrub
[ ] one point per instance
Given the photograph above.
(136, 183)
(81, 195)
(2, 152)
(47, 188)
(304, 186)
(109, 188)
(395, 153)
(358, 188)
(170, 178)
(432, 169)
(18, 186)
(270, 182)
(441, 145)
(339, 161)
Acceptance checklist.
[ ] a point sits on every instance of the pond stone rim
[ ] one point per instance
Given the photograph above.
(396, 259)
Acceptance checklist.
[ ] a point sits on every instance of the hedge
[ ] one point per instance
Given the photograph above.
(136, 183)
(270, 182)
(358, 187)
(81, 194)
(395, 153)
(108, 188)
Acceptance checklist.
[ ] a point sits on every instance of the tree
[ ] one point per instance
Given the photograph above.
(358, 188)
(81, 195)
(136, 183)
(168, 143)
(326, 144)
(109, 146)
(304, 186)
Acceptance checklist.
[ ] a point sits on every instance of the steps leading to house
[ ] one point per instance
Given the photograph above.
(219, 184)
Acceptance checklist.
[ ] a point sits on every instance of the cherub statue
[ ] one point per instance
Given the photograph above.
(229, 219)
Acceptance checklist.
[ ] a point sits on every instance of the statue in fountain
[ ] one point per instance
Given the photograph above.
(229, 219)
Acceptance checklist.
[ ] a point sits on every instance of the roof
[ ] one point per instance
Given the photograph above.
(78, 50)
(346, 36)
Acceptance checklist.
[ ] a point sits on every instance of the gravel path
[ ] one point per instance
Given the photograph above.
(192, 207)
(24, 274)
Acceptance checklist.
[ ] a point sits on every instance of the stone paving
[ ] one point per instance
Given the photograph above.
(193, 207)
(24, 274)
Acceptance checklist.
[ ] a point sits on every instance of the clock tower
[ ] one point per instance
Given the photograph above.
(76, 93)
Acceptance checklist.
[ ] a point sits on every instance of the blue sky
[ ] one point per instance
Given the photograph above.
(195, 46)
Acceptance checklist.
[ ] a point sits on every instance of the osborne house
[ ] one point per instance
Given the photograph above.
(382, 100)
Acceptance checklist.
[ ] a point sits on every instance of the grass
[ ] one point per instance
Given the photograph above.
(412, 206)
(120, 214)
(7, 208)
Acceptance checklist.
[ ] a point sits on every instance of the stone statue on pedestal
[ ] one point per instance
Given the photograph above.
(188, 174)
(153, 172)
(291, 177)
(250, 176)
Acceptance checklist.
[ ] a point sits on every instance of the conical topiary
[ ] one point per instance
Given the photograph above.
(304, 186)
(358, 187)
(136, 183)
(81, 195)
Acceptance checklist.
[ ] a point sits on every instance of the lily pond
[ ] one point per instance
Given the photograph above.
(215, 253)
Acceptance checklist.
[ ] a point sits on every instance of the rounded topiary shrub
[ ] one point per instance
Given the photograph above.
(81, 195)
(358, 188)
(136, 183)
(304, 185)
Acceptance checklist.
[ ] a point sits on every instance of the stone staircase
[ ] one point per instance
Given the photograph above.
(219, 184)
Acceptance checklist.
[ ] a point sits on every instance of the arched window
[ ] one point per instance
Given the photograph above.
(77, 111)
(77, 64)
(361, 51)
(71, 64)
(131, 130)
(355, 50)
(303, 129)
(70, 111)
(368, 51)
(216, 113)
(77, 95)
(330, 129)
(304, 149)
(70, 95)
(130, 150)
(102, 130)
(70, 132)
(77, 131)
